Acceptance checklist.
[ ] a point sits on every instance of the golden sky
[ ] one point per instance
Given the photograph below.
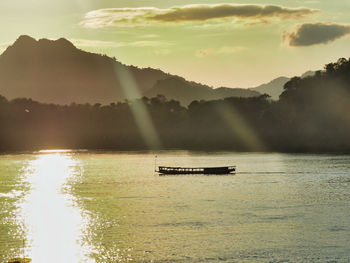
(221, 43)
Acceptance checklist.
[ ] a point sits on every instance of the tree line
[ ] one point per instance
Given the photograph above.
(312, 115)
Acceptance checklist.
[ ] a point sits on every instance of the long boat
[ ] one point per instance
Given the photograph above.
(196, 170)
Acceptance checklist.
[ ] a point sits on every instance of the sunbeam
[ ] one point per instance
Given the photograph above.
(138, 108)
(240, 127)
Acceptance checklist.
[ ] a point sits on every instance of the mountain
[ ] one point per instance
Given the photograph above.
(274, 88)
(55, 71)
(184, 91)
(58, 72)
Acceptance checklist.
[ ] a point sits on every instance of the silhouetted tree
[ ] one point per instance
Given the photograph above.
(311, 115)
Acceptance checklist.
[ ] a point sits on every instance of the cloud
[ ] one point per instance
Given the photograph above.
(110, 44)
(93, 43)
(146, 43)
(222, 50)
(117, 17)
(191, 13)
(149, 36)
(317, 33)
(205, 52)
(230, 49)
(207, 12)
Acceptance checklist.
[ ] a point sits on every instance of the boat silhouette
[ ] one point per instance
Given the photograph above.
(196, 170)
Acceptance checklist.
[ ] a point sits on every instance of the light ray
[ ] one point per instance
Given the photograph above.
(139, 109)
(240, 127)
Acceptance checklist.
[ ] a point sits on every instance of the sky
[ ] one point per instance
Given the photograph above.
(238, 43)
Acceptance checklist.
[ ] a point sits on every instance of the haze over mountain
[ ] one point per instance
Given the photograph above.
(55, 71)
(186, 92)
(275, 87)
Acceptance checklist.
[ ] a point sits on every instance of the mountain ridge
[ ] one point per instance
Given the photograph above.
(55, 71)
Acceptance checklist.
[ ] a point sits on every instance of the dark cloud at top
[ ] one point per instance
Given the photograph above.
(190, 13)
(206, 12)
(318, 33)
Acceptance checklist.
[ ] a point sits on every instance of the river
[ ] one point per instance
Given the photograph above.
(80, 206)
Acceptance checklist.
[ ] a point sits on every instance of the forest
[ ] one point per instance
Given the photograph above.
(311, 115)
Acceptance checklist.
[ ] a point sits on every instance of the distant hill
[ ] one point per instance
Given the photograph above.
(184, 91)
(58, 72)
(55, 71)
(274, 88)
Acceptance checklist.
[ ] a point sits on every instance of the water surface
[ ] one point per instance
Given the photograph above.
(64, 206)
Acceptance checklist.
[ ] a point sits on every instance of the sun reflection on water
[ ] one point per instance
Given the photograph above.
(53, 223)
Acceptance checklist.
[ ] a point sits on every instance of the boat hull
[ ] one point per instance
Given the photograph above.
(200, 170)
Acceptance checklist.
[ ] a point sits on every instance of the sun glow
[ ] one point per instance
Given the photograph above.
(52, 223)
(55, 151)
